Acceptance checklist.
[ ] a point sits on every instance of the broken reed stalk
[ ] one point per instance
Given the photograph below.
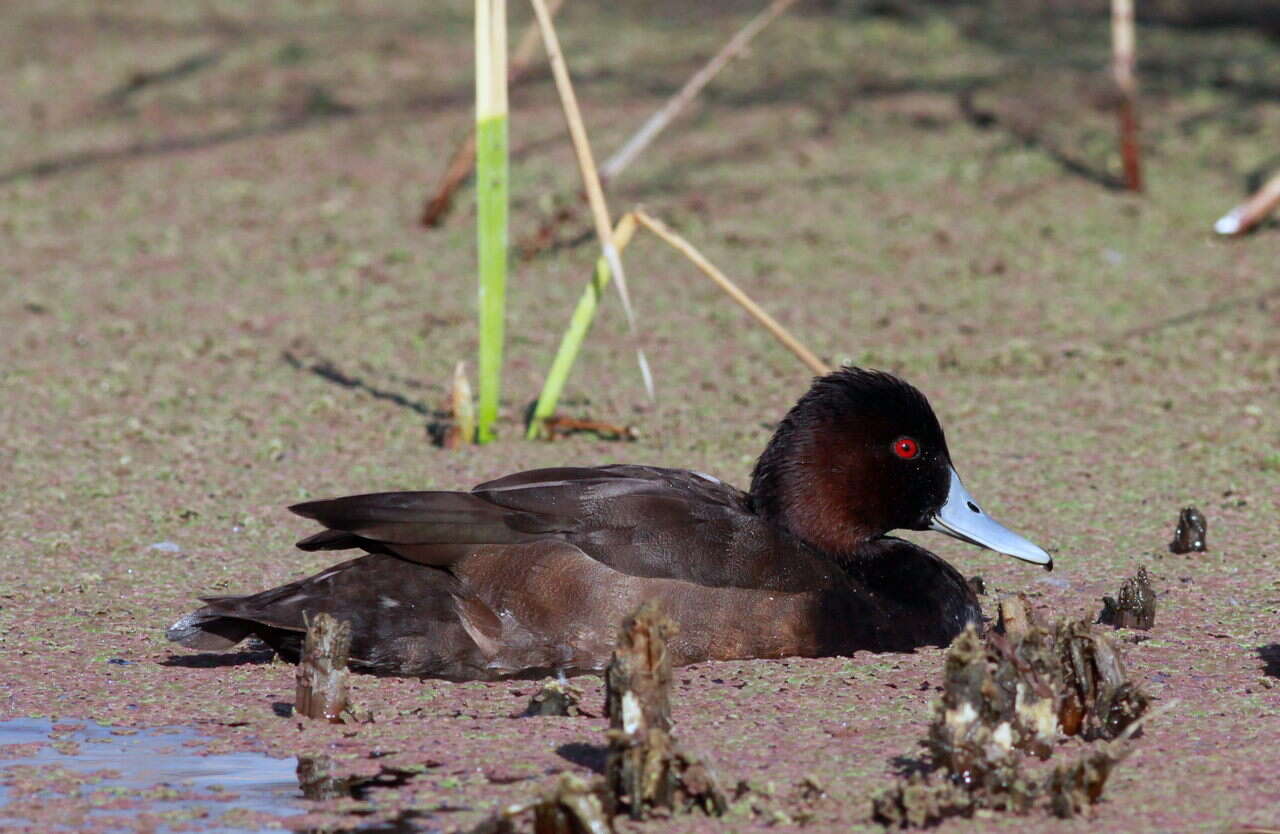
(757, 312)
(491, 196)
(590, 179)
(659, 120)
(463, 160)
(1252, 211)
(462, 409)
(583, 315)
(645, 769)
(1122, 68)
(321, 690)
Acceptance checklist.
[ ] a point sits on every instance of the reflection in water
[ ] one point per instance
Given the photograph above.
(200, 788)
(149, 759)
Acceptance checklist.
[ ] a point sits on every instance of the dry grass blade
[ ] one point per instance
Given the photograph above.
(590, 178)
(659, 120)
(734, 291)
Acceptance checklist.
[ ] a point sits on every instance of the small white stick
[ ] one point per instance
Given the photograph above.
(1252, 211)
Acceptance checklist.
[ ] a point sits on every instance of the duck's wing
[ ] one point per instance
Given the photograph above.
(653, 522)
(641, 521)
(430, 528)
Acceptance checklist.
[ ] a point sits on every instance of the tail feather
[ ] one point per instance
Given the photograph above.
(394, 518)
(208, 631)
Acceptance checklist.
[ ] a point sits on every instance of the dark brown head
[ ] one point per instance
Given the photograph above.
(862, 454)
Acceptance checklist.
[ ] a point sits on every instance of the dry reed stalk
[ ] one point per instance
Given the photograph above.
(1122, 68)
(1252, 211)
(463, 161)
(757, 312)
(659, 120)
(590, 179)
(462, 409)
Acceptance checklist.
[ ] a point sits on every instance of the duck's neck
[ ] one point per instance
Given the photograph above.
(801, 484)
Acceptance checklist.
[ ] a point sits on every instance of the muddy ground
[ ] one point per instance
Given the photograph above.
(216, 302)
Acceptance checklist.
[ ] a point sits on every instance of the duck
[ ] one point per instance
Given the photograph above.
(529, 575)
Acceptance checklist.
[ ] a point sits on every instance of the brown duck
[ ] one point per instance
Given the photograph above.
(530, 574)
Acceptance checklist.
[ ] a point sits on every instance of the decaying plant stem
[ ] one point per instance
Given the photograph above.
(1134, 606)
(322, 671)
(645, 771)
(462, 409)
(1122, 69)
(1013, 618)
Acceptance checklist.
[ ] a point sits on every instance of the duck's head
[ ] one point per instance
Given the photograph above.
(862, 454)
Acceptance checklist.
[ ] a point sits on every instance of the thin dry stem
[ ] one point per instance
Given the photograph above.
(659, 120)
(757, 312)
(590, 177)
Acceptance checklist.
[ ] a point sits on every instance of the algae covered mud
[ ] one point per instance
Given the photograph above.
(1101, 360)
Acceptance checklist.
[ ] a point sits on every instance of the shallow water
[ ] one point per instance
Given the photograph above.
(147, 759)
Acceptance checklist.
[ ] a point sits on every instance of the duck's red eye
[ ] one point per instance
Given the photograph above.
(906, 448)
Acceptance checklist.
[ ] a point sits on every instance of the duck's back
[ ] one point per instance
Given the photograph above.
(641, 521)
(653, 522)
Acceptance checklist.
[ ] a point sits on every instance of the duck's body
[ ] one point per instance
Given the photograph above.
(530, 574)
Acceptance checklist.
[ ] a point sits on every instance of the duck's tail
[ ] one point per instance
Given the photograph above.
(207, 630)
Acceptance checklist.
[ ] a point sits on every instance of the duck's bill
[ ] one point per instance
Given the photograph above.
(961, 517)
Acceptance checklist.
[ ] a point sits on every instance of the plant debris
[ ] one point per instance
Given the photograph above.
(1014, 617)
(322, 674)
(556, 697)
(461, 430)
(1071, 789)
(644, 768)
(1191, 532)
(646, 773)
(1008, 695)
(559, 425)
(573, 805)
(1099, 701)
(1136, 607)
(319, 778)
